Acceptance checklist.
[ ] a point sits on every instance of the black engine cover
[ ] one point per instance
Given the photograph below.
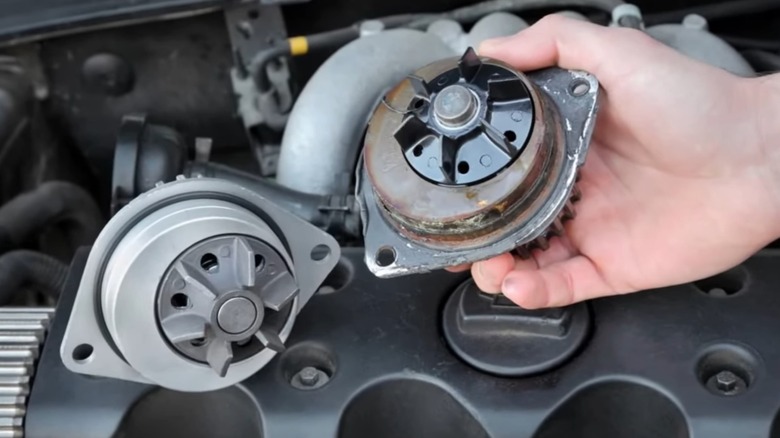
(643, 372)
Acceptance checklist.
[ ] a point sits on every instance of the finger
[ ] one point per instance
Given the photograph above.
(525, 263)
(560, 249)
(567, 43)
(556, 285)
(489, 274)
(458, 268)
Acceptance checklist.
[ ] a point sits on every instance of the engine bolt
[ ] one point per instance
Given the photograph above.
(309, 376)
(726, 381)
(455, 105)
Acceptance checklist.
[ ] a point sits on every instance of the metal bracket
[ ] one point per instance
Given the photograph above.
(253, 28)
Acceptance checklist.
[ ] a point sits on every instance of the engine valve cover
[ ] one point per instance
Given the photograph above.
(468, 158)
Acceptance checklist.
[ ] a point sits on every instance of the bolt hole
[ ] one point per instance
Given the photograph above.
(259, 262)
(254, 14)
(463, 167)
(320, 253)
(305, 355)
(82, 352)
(385, 256)
(724, 285)
(510, 135)
(579, 87)
(180, 301)
(726, 369)
(209, 263)
(198, 342)
(419, 103)
(417, 151)
(443, 80)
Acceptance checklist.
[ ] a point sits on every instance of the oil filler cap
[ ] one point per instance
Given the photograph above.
(494, 335)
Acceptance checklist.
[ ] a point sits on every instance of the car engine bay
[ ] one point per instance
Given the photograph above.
(233, 219)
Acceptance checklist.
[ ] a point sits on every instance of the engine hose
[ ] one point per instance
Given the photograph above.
(53, 202)
(751, 43)
(301, 45)
(257, 68)
(472, 13)
(30, 269)
(763, 61)
(297, 46)
(715, 11)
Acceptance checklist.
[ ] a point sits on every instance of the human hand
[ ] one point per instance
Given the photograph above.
(681, 181)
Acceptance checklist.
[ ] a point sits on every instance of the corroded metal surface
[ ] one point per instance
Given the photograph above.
(416, 225)
(444, 214)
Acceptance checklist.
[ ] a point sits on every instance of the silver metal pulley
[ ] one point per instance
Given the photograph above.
(194, 286)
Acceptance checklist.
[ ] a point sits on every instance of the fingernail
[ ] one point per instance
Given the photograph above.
(509, 286)
(521, 293)
(510, 289)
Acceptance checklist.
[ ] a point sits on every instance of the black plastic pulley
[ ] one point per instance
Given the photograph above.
(494, 335)
(467, 124)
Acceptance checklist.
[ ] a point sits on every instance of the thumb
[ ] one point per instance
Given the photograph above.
(557, 285)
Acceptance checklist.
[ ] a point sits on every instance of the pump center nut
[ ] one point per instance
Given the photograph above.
(455, 106)
(468, 158)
